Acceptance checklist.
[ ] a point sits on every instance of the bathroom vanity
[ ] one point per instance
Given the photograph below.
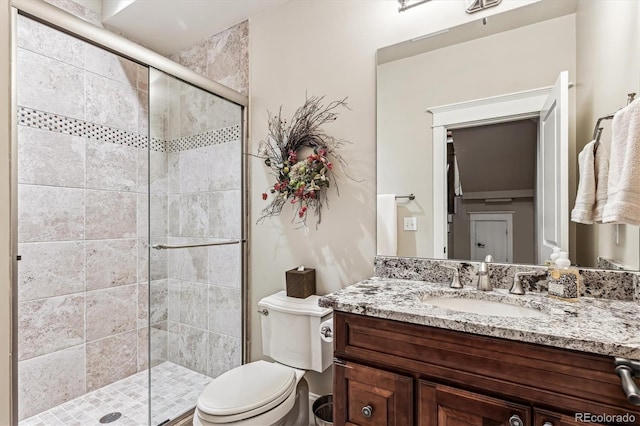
(401, 360)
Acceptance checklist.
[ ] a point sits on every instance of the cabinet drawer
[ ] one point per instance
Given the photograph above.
(443, 405)
(371, 397)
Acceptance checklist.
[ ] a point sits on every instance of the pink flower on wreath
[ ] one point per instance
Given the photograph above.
(330, 166)
(264, 195)
(302, 211)
(293, 157)
(322, 152)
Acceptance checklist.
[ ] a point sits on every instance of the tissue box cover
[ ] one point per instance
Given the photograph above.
(301, 284)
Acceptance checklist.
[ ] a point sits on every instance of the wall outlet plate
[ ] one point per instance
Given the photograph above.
(410, 223)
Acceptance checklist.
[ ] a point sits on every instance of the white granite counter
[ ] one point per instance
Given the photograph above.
(601, 326)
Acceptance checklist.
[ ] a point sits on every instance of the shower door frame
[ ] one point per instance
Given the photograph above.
(51, 16)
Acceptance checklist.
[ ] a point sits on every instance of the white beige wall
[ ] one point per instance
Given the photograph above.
(525, 58)
(326, 48)
(608, 67)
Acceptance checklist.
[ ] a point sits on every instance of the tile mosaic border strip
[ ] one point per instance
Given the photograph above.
(72, 126)
(214, 137)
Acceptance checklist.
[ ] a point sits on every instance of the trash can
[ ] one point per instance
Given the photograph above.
(323, 410)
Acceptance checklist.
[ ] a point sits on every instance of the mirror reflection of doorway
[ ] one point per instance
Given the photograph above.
(491, 191)
(491, 234)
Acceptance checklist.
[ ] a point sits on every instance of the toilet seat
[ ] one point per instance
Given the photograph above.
(246, 391)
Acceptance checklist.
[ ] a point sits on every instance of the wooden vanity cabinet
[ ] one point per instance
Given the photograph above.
(394, 373)
(373, 397)
(444, 405)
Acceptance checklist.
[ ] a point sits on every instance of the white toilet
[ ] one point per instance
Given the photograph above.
(265, 393)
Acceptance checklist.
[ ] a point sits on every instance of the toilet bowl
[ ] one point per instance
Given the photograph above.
(264, 393)
(260, 393)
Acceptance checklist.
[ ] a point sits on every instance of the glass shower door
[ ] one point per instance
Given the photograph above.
(113, 159)
(81, 135)
(195, 254)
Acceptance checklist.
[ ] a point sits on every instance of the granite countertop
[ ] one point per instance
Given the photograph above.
(601, 326)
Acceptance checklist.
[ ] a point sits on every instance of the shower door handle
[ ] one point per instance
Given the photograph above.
(173, 246)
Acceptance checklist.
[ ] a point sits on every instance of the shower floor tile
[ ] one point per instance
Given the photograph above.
(174, 390)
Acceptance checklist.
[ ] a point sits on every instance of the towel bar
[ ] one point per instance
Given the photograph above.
(410, 196)
(597, 131)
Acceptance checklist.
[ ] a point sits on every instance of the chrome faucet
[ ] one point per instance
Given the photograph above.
(516, 287)
(455, 278)
(484, 282)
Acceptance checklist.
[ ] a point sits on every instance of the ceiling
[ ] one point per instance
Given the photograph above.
(168, 26)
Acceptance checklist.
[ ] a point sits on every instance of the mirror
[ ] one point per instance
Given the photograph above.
(479, 176)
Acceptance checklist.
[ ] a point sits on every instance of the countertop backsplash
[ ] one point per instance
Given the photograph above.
(600, 283)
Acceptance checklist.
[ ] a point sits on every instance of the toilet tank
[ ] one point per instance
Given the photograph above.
(291, 331)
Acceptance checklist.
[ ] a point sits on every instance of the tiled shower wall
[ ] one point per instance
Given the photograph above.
(204, 181)
(223, 57)
(82, 185)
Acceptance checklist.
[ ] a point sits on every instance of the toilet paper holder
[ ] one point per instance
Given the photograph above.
(326, 331)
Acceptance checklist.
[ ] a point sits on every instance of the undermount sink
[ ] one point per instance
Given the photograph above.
(483, 307)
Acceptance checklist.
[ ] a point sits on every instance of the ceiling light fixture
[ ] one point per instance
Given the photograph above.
(478, 5)
(407, 4)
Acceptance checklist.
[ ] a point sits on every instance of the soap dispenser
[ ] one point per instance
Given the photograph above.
(553, 257)
(564, 279)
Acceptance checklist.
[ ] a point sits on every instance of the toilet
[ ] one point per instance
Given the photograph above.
(264, 393)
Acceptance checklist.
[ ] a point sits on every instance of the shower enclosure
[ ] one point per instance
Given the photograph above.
(130, 232)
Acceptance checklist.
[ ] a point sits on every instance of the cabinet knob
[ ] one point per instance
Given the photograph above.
(367, 411)
(515, 420)
(547, 424)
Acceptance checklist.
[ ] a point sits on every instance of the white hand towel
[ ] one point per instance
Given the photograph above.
(623, 204)
(387, 229)
(602, 181)
(586, 196)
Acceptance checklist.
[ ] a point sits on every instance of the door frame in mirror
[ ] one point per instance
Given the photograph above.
(491, 110)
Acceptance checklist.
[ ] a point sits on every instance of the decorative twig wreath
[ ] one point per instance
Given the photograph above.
(301, 157)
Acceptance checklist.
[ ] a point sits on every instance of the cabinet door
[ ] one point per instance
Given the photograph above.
(548, 418)
(365, 396)
(445, 406)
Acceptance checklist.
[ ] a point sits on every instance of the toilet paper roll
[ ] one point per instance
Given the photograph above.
(326, 330)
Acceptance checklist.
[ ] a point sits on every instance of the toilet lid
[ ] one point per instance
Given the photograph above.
(247, 390)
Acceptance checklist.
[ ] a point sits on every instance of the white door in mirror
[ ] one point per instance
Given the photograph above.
(553, 171)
